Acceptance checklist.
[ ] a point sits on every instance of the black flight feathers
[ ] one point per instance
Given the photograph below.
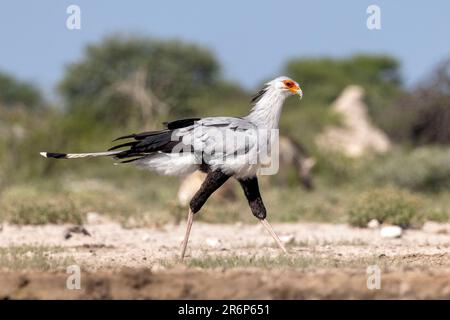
(182, 123)
(170, 125)
(151, 141)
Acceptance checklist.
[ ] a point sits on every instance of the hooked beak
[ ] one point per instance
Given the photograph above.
(293, 87)
(299, 92)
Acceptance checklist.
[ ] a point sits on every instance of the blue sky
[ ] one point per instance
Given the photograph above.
(252, 39)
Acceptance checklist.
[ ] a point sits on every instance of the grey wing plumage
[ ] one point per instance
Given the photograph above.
(212, 139)
(221, 136)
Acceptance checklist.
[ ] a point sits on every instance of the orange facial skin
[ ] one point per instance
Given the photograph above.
(291, 86)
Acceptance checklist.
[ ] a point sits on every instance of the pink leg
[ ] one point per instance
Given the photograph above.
(190, 220)
(269, 228)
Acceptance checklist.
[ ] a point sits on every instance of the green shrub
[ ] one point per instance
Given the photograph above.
(423, 169)
(437, 215)
(14, 92)
(387, 205)
(23, 207)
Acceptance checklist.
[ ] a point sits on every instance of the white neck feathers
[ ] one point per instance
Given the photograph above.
(267, 110)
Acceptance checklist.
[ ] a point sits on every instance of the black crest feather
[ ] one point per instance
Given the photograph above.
(259, 95)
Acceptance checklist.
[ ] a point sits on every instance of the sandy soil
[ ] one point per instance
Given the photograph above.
(143, 263)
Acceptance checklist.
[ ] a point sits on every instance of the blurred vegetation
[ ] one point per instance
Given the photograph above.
(15, 93)
(323, 79)
(425, 169)
(123, 85)
(32, 206)
(422, 115)
(387, 205)
(124, 79)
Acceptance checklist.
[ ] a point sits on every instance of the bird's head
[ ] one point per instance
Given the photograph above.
(287, 86)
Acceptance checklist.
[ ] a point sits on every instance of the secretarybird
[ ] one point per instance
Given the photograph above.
(220, 146)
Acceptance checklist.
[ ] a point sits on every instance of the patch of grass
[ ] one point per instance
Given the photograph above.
(38, 258)
(67, 200)
(283, 203)
(336, 168)
(324, 242)
(321, 205)
(437, 216)
(387, 205)
(28, 206)
(277, 262)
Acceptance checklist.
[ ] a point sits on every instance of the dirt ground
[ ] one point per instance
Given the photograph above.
(225, 261)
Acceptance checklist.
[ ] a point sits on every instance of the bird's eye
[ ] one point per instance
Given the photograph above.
(289, 84)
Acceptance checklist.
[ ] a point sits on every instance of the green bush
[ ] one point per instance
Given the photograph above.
(323, 79)
(437, 215)
(387, 205)
(174, 71)
(423, 169)
(14, 92)
(421, 115)
(27, 206)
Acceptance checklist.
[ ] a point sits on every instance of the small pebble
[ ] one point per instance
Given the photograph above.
(289, 238)
(373, 224)
(391, 232)
(213, 242)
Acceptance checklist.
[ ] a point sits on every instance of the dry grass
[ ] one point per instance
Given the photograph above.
(276, 262)
(38, 258)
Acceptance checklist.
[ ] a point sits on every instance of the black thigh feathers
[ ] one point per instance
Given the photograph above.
(253, 196)
(213, 181)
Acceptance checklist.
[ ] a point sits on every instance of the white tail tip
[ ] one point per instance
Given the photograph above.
(44, 154)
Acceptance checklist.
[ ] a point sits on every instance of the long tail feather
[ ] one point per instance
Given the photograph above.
(77, 155)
